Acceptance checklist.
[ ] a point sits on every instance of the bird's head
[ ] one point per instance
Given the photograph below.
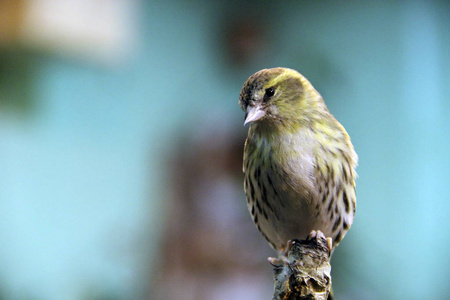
(277, 95)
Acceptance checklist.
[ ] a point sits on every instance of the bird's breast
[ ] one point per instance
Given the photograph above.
(286, 158)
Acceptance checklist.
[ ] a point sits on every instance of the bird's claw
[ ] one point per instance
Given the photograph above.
(317, 236)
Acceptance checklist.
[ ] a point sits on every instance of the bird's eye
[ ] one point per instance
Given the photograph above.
(269, 93)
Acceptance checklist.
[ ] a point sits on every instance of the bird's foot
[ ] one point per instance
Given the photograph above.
(282, 258)
(318, 236)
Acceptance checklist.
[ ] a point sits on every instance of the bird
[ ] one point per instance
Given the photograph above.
(299, 162)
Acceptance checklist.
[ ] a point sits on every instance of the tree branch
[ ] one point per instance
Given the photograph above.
(304, 270)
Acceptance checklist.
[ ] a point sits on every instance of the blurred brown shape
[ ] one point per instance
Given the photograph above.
(244, 39)
(11, 20)
(211, 248)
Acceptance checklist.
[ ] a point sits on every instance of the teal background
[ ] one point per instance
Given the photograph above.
(83, 152)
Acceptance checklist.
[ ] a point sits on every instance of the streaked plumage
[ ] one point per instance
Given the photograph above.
(298, 160)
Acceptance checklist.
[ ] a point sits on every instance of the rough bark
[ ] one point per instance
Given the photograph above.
(304, 270)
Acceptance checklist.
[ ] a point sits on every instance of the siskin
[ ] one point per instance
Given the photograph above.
(299, 162)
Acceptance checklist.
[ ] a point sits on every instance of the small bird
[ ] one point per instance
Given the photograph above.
(299, 162)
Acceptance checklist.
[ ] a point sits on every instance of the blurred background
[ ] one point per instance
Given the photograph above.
(121, 144)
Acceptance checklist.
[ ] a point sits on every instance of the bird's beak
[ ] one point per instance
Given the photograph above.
(254, 113)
